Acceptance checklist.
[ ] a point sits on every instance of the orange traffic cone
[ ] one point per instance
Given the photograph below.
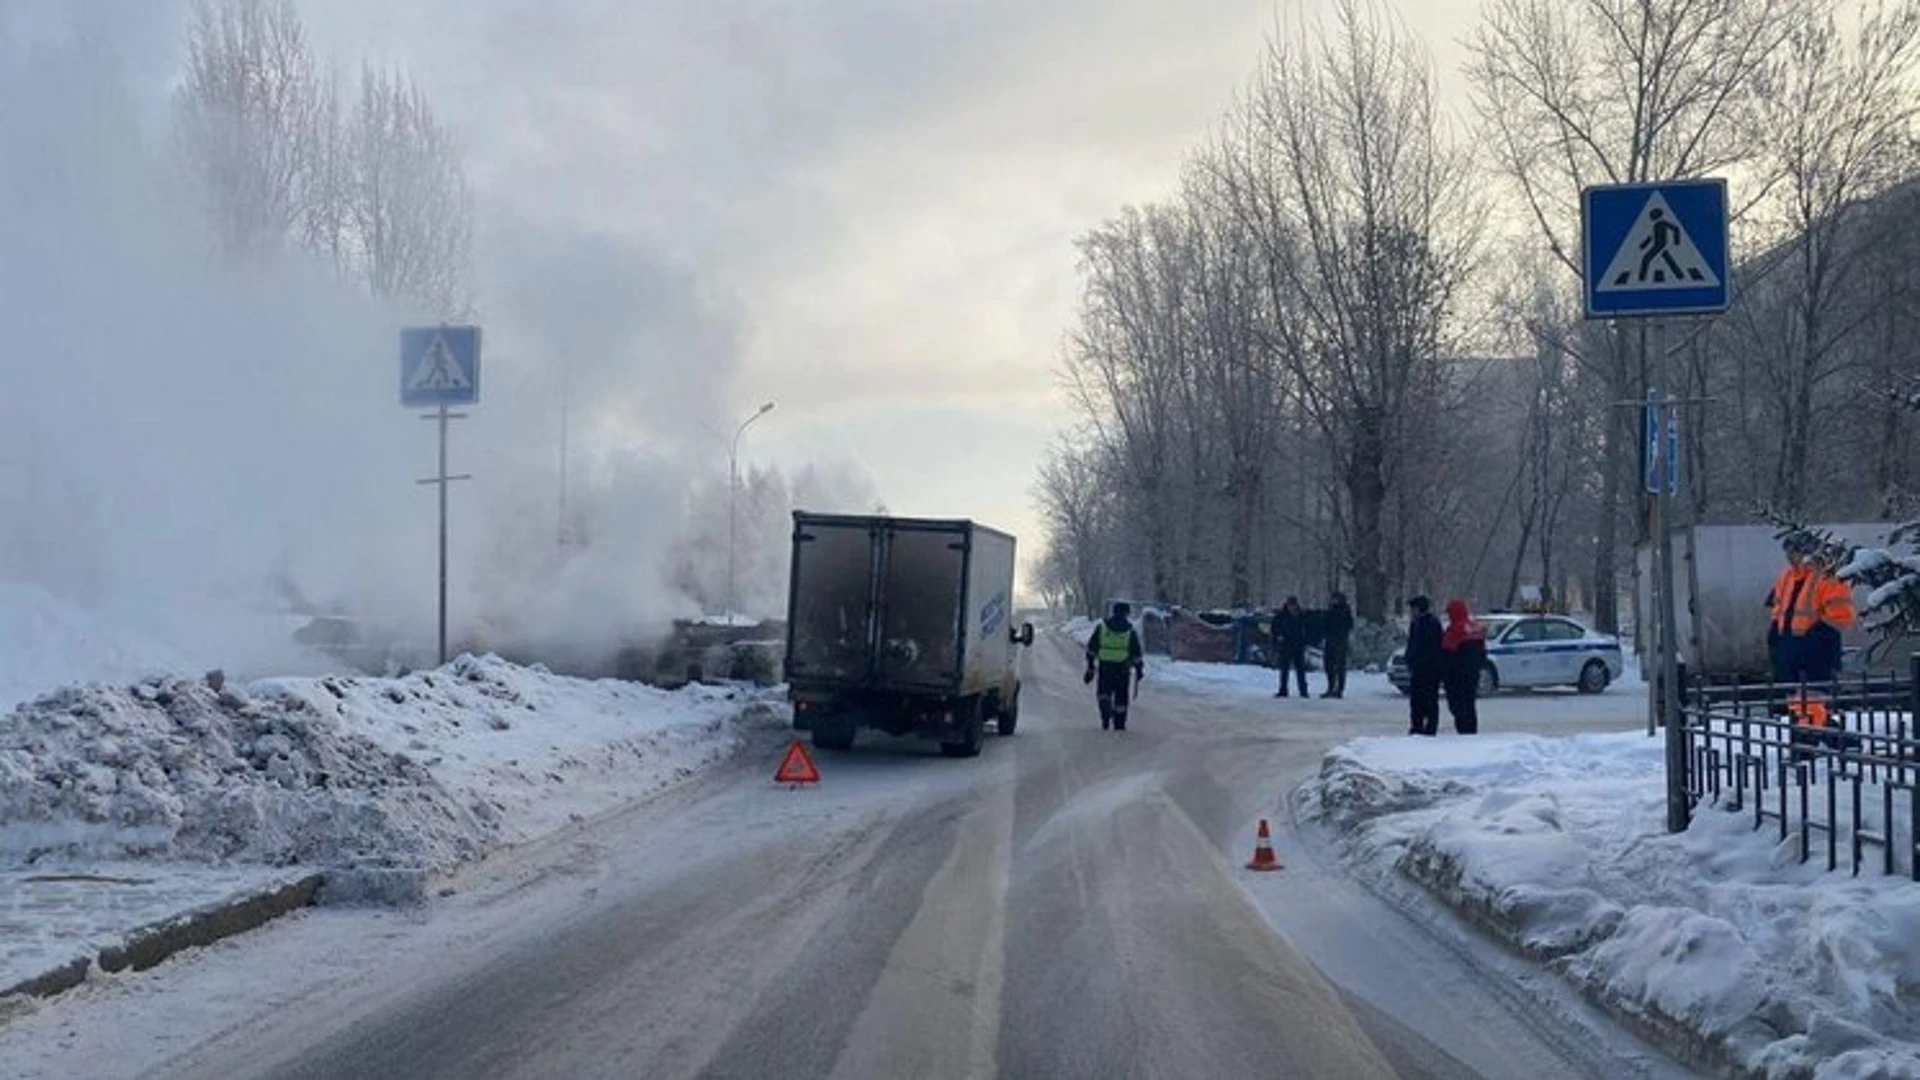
(1263, 856)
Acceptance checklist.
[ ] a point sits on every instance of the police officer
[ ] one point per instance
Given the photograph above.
(1115, 658)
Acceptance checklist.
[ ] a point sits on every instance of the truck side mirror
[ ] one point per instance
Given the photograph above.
(1025, 636)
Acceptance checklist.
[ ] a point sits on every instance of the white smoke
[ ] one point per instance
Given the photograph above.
(194, 449)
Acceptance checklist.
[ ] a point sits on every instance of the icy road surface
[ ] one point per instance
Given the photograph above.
(1069, 905)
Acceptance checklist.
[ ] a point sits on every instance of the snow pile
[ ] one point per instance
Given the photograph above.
(417, 773)
(45, 643)
(1717, 941)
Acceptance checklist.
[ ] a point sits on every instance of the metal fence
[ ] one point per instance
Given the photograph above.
(1851, 785)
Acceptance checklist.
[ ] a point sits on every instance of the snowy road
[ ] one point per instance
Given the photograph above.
(1069, 905)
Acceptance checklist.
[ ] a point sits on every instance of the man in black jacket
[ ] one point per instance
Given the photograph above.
(1333, 648)
(1115, 658)
(1290, 638)
(1426, 664)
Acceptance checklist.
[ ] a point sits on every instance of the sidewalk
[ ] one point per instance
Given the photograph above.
(58, 925)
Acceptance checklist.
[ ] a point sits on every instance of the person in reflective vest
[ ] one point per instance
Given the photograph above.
(1808, 609)
(1116, 660)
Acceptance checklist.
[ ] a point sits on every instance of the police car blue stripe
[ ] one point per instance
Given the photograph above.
(1533, 648)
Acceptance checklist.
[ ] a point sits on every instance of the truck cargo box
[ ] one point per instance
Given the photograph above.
(901, 623)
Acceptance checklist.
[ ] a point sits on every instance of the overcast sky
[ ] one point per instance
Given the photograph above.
(861, 209)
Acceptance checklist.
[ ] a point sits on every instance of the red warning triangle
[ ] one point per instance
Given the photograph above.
(797, 768)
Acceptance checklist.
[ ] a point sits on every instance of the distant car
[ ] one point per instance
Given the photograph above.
(1536, 650)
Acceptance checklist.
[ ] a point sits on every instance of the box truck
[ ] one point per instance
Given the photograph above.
(903, 625)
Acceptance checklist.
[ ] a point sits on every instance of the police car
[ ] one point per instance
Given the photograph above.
(1536, 650)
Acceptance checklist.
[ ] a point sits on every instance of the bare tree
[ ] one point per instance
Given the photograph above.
(1838, 111)
(1580, 92)
(245, 110)
(1081, 561)
(381, 192)
(412, 208)
(1363, 208)
(327, 211)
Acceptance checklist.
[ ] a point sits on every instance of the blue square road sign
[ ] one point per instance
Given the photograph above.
(439, 365)
(1657, 249)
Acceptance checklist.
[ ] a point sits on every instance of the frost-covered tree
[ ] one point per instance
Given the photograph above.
(410, 207)
(245, 111)
(280, 162)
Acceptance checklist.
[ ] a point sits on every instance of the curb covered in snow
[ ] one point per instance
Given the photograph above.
(146, 946)
(1716, 945)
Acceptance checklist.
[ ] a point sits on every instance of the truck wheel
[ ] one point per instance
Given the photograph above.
(973, 732)
(832, 734)
(1010, 714)
(1593, 678)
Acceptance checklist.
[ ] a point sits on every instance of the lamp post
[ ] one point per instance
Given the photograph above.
(733, 505)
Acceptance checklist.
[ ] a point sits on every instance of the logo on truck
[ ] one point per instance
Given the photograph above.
(993, 614)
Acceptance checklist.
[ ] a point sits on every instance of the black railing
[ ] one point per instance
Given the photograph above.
(1854, 779)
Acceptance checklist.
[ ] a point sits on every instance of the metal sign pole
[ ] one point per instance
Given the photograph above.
(440, 367)
(442, 479)
(442, 473)
(1668, 695)
(1658, 250)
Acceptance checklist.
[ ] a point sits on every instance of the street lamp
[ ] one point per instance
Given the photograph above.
(733, 505)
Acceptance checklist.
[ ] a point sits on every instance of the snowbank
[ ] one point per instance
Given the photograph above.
(413, 774)
(1717, 941)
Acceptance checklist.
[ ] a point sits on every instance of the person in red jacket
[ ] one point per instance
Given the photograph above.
(1463, 649)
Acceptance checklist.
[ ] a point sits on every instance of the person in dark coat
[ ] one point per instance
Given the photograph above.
(1424, 666)
(1338, 628)
(1464, 648)
(1290, 638)
(1116, 660)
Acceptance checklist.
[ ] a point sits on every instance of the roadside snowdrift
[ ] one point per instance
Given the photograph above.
(418, 773)
(1718, 940)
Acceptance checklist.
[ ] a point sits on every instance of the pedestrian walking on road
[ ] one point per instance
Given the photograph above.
(1464, 646)
(1333, 648)
(1290, 638)
(1116, 660)
(1424, 668)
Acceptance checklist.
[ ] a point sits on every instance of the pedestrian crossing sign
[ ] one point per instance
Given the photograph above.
(1655, 249)
(439, 365)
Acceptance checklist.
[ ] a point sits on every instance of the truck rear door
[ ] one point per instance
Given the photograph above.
(922, 582)
(833, 601)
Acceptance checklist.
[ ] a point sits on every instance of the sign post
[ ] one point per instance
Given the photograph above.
(440, 368)
(1656, 251)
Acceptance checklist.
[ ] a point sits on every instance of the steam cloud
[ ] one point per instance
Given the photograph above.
(189, 448)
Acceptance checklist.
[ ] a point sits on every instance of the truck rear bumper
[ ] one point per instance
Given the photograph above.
(931, 717)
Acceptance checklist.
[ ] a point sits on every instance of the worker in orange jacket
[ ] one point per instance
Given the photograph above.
(1809, 609)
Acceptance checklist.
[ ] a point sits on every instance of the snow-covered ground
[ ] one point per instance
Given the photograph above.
(1718, 936)
(125, 805)
(414, 774)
